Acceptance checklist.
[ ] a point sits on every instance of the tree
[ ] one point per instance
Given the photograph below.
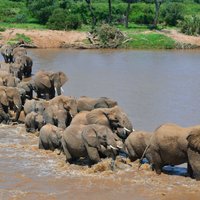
(157, 11)
(110, 11)
(42, 9)
(92, 13)
(128, 10)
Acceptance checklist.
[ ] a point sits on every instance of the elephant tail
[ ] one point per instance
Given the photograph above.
(143, 155)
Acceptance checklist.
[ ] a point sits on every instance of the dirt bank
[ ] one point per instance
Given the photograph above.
(45, 38)
(56, 39)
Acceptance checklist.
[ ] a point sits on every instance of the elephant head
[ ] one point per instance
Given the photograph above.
(28, 87)
(14, 96)
(58, 79)
(100, 140)
(6, 51)
(104, 102)
(17, 70)
(193, 153)
(10, 81)
(114, 118)
(3, 97)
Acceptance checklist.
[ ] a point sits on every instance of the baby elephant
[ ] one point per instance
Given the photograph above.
(136, 144)
(92, 141)
(50, 137)
(33, 122)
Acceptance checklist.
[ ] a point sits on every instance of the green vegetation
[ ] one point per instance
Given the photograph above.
(150, 41)
(18, 38)
(127, 15)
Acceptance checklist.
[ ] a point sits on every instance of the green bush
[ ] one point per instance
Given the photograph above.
(57, 20)
(190, 25)
(73, 21)
(172, 13)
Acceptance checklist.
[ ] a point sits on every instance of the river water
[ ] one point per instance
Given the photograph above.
(152, 87)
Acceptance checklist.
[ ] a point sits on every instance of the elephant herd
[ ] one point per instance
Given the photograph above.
(86, 127)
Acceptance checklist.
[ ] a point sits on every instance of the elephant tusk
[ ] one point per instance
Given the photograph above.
(112, 147)
(127, 129)
(55, 89)
(17, 106)
(62, 90)
(133, 129)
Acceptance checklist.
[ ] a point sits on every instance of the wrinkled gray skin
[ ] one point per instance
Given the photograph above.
(7, 79)
(34, 122)
(168, 146)
(6, 52)
(50, 137)
(37, 106)
(114, 118)
(136, 143)
(87, 103)
(193, 152)
(60, 111)
(17, 52)
(5, 67)
(26, 62)
(16, 69)
(28, 87)
(91, 141)
(48, 83)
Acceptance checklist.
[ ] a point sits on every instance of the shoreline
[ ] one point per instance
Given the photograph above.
(74, 39)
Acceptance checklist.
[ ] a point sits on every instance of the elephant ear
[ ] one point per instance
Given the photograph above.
(101, 104)
(4, 99)
(97, 116)
(90, 137)
(43, 78)
(194, 139)
(63, 78)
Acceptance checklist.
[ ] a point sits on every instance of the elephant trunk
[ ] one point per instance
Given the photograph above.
(58, 90)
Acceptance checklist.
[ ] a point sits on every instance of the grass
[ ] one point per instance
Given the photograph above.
(18, 38)
(150, 41)
(22, 26)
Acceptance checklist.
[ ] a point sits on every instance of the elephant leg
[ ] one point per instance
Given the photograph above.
(189, 170)
(93, 154)
(41, 145)
(66, 152)
(154, 158)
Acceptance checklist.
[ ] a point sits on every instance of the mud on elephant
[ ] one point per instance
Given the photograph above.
(114, 118)
(92, 141)
(46, 84)
(168, 146)
(50, 137)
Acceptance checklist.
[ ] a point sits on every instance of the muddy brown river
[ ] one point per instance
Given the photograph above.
(153, 87)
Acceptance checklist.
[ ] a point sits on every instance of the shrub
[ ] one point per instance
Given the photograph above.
(73, 21)
(172, 13)
(190, 25)
(57, 21)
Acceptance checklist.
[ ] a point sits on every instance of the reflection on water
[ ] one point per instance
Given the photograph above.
(153, 87)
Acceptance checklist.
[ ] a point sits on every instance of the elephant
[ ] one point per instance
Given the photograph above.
(60, 111)
(168, 146)
(136, 143)
(37, 106)
(28, 87)
(14, 97)
(6, 52)
(88, 103)
(4, 104)
(93, 141)
(18, 51)
(114, 118)
(193, 153)
(26, 62)
(16, 69)
(6, 79)
(5, 67)
(48, 83)
(50, 137)
(33, 122)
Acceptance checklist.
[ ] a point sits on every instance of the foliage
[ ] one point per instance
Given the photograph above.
(150, 41)
(109, 36)
(20, 37)
(190, 25)
(172, 13)
(42, 9)
(57, 20)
